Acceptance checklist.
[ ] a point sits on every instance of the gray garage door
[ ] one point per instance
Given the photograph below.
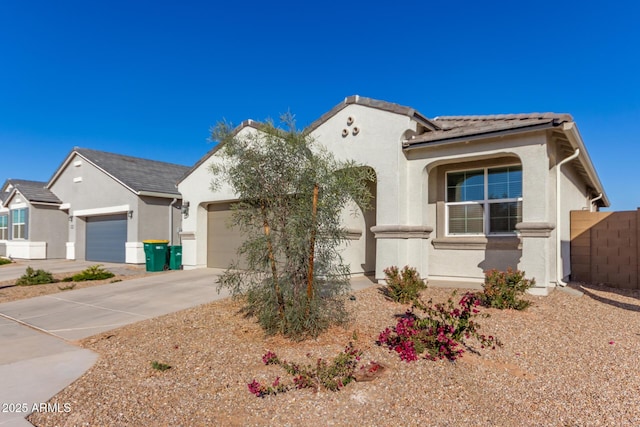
(106, 238)
(222, 241)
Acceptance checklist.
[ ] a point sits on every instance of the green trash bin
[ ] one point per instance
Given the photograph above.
(175, 257)
(155, 252)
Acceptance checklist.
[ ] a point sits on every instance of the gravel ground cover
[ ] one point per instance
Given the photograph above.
(566, 361)
(10, 292)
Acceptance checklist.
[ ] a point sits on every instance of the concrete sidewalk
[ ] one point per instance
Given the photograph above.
(36, 359)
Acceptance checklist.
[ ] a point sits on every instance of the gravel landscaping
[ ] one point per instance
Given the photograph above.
(10, 292)
(566, 361)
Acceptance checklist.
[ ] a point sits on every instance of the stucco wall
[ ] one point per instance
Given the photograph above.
(90, 191)
(196, 190)
(377, 145)
(154, 221)
(95, 190)
(428, 166)
(374, 139)
(573, 197)
(49, 224)
(470, 260)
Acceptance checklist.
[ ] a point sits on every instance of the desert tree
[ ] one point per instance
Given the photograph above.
(291, 193)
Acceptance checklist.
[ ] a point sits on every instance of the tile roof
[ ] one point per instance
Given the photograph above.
(33, 191)
(451, 127)
(140, 175)
(372, 103)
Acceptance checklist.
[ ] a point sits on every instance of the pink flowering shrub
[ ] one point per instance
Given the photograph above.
(322, 375)
(440, 334)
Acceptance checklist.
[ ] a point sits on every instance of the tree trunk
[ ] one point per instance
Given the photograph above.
(272, 260)
(314, 211)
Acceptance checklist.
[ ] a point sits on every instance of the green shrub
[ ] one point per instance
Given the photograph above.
(94, 272)
(503, 289)
(4, 261)
(403, 286)
(158, 366)
(35, 277)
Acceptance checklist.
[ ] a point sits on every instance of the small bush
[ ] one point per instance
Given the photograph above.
(158, 366)
(439, 333)
(403, 286)
(35, 277)
(504, 289)
(4, 261)
(321, 375)
(94, 272)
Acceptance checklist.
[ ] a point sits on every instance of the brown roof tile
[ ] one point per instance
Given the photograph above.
(452, 127)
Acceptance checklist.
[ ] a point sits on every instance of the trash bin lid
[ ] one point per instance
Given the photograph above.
(155, 241)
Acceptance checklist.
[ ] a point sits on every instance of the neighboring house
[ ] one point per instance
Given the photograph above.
(4, 223)
(113, 202)
(31, 223)
(454, 196)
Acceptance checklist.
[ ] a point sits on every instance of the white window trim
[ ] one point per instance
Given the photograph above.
(14, 224)
(484, 203)
(5, 227)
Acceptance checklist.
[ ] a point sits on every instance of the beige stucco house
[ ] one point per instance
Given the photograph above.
(454, 196)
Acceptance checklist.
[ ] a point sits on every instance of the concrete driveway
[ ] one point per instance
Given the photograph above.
(37, 359)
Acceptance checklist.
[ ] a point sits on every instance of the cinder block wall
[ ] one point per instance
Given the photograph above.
(604, 248)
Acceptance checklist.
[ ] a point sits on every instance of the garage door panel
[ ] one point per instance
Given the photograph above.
(106, 238)
(223, 240)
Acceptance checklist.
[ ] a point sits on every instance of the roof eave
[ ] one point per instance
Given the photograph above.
(407, 145)
(62, 167)
(575, 139)
(159, 194)
(44, 203)
(214, 150)
(372, 103)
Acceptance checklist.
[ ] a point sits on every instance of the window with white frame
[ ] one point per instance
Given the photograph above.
(484, 201)
(18, 223)
(4, 227)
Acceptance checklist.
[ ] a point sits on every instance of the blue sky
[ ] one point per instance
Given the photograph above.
(149, 79)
